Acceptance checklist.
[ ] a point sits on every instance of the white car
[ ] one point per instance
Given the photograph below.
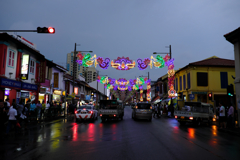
(86, 112)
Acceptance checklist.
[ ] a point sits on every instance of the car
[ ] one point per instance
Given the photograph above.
(142, 111)
(86, 112)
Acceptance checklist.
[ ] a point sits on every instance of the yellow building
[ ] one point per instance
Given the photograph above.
(210, 77)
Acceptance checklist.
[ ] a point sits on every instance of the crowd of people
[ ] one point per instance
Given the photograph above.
(160, 108)
(18, 115)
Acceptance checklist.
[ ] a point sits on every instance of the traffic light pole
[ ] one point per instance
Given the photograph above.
(74, 69)
(18, 30)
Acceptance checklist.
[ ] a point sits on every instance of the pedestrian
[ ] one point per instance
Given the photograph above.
(169, 110)
(2, 113)
(12, 120)
(155, 110)
(24, 117)
(39, 109)
(231, 117)
(43, 109)
(20, 108)
(32, 110)
(8, 104)
(14, 102)
(222, 117)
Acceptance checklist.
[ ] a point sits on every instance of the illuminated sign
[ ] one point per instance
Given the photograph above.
(76, 90)
(7, 92)
(57, 92)
(24, 67)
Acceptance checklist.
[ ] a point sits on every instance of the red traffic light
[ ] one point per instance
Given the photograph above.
(210, 95)
(51, 30)
(45, 30)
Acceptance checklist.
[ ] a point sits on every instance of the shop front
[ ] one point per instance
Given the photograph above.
(9, 89)
(29, 92)
(56, 96)
(45, 91)
(44, 94)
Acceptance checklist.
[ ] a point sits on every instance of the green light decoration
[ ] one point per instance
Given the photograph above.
(141, 80)
(86, 58)
(160, 60)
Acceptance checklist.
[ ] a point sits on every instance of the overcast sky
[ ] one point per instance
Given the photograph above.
(129, 28)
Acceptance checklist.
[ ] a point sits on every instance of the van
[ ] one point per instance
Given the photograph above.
(142, 111)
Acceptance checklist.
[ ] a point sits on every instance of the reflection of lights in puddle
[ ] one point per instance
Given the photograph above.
(19, 149)
(214, 130)
(191, 133)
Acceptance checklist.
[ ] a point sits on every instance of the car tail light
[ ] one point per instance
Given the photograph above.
(176, 117)
(191, 118)
(114, 115)
(214, 119)
(136, 107)
(75, 112)
(150, 107)
(84, 108)
(100, 115)
(90, 112)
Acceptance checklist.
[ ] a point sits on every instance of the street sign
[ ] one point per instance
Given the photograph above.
(191, 96)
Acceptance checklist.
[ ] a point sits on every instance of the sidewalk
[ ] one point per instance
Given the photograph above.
(233, 131)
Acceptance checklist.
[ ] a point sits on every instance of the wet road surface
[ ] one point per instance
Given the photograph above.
(163, 138)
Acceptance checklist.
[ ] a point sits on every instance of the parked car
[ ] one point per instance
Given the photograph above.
(142, 111)
(196, 113)
(86, 112)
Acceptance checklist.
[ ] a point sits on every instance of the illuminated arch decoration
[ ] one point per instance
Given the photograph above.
(123, 63)
(104, 64)
(171, 77)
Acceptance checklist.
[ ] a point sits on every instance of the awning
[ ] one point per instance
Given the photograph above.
(155, 98)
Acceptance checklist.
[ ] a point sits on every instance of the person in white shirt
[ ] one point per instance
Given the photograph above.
(12, 120)
(8, 104)
(222, 117)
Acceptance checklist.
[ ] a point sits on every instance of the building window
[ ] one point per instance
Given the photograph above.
(188, 81)
(180, 81)
(224, 79)
(32, 64)
(11, 59)
(184, 82)
(176, 84)
(202, 79)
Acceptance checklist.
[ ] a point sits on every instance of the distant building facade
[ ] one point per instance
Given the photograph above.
(89, 73)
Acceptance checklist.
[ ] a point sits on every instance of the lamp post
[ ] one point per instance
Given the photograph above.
(170, 52)
(103, 85)
(74, 66)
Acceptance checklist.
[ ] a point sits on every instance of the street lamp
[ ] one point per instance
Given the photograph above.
(103, 85)
(170, 52)
(74, 66)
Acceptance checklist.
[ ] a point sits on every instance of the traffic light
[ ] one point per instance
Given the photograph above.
(180, 95)
(45, 30)
(230, 91)
(210, 96)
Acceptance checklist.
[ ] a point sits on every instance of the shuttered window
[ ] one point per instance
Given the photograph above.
(224, 79)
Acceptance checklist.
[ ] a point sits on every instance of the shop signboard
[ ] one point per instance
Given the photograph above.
(42, 71)
(76, 90)
(88, 97)
(8, 83)
(24, 94)
(55, 83)
(29, 86)
(43, 90)
(58, 92)
(24, 67)
(7, 92)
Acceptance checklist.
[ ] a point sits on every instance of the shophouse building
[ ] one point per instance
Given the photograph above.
(20, 68)
(197, 80)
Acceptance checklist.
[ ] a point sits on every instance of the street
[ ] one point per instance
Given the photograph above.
(163, 138)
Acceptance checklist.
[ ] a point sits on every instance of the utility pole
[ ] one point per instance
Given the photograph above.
(74, 69)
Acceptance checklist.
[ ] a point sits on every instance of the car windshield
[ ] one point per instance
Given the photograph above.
(144, 105)
(86, 107)
(108, 104)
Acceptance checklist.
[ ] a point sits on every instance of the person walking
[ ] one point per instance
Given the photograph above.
(39, 109)
(231, 117)
(32, 109)
(12, 120)
(2, 120)
(222, 117)
(8, 103)
(20, 108)
(43, 109)
(155, 110)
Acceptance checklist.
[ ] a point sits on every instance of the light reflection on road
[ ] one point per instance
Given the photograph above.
(191, 133)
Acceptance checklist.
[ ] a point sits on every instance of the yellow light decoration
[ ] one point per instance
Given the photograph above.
(171, 73)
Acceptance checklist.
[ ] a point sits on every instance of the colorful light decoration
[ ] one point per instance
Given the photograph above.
(123, 63)
(126, 64)
(141, 94)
